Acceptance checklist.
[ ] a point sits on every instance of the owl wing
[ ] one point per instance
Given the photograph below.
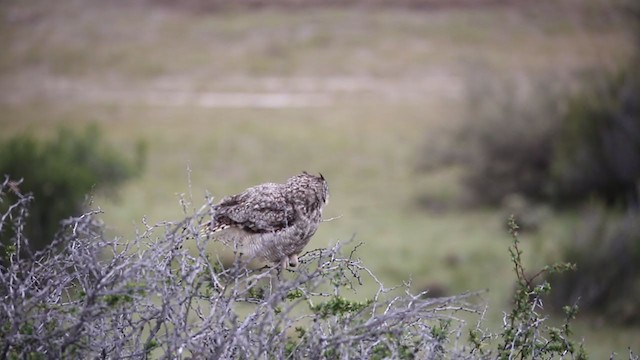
(259, 209)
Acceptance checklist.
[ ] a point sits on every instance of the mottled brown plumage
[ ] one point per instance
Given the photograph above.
(272, 221)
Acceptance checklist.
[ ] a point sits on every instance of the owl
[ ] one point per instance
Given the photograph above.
(273, 222)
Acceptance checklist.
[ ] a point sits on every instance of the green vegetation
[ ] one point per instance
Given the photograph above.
(524, 334)
(338, 306)
(61, 173)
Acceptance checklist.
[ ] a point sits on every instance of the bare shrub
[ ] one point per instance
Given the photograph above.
(90, 296)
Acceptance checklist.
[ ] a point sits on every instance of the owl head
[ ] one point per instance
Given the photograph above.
(317, 183)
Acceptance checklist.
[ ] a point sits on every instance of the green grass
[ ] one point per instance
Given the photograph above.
(367, 142)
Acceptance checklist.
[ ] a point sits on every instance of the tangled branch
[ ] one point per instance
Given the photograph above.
(162, 294)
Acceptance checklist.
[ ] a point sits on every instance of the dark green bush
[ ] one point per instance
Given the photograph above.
(606, 251)
(510, 142)
(548, 145)
(519, 147)
(597, 150)
(60, 173)
(597, 154)
(505, 145)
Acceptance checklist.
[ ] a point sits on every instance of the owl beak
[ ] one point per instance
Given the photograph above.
(321, 177)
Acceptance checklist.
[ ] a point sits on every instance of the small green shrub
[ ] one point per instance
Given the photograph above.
(60, 173)
(525, 333)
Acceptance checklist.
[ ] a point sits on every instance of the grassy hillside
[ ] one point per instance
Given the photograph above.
(242, 97)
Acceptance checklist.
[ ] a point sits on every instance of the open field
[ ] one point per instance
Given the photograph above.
(225, 100)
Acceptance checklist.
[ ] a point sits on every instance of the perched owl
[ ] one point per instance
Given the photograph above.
(272, 221)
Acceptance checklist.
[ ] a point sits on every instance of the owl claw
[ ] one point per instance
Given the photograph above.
(293, 261)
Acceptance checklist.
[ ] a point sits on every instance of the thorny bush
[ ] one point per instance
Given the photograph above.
(89, 296)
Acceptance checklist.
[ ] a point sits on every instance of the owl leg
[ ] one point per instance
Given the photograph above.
(293, 260)
(284, 263)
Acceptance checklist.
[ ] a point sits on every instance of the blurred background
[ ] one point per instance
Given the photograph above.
(432, 120)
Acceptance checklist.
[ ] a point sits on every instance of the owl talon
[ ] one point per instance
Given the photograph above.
(293, 261)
